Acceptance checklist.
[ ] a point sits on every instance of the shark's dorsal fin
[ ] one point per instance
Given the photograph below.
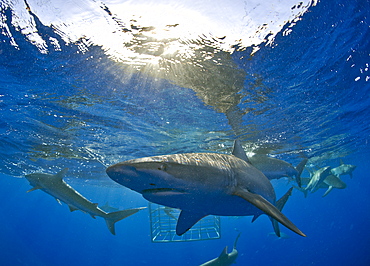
(223, 254)
(72, 209)
(61, 174)
(186, 220)
(239, 152)
(262, 204)
(34, 188)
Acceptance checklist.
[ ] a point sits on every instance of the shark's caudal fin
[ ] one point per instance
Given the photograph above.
(186, 220)
(300, 168)
(305, 192)
(114, 217)
(239, 152)
(280, 205)
(262, 204)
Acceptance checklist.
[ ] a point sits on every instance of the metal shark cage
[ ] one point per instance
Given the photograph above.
(163, 222)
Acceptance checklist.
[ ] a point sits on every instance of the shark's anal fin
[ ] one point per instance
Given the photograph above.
(34, 188)
(262, 204)
(186, 220)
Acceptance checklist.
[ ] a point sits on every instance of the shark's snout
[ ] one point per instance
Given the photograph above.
(121, 173)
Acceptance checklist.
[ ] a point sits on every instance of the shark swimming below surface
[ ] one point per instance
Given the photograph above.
(274, 168)
(201, 184)
(225, 259)
(343, 169)
(330, 182)
(55, 186)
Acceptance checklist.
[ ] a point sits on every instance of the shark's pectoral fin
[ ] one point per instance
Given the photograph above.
(34, 188)
(186, 220)
(328, 191)
(262, 204)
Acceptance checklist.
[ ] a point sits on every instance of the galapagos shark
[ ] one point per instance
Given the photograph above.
(330, 182)
(201, 184)
(317, 178)
(343, 169)
(274, 168)
(225, 259)
(55, 186)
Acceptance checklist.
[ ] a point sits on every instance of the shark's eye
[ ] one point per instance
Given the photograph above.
(162, 167)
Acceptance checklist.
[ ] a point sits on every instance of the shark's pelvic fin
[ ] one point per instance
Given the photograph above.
(34, 188)
(114, 217)
(262, 204)
(186, 220)
(72, 209)
(328, 191)
(239, 152)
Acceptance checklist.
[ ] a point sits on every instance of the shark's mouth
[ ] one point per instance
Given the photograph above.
(164, 191)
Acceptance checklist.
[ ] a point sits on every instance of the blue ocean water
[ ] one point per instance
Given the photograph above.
(306, 94)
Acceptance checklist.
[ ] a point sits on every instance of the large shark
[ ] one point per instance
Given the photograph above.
(343, 169)
(224, 259)
(55, 186)
(201, 184)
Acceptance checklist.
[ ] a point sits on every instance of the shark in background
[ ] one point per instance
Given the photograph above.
(55, 186)
(225, 259)
(343, 169)
(330, 182)
(273, 168)
(201, 184)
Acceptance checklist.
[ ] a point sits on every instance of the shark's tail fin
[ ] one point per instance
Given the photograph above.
(280, 205)
(303, 190)
(300, 168)
(114, 217)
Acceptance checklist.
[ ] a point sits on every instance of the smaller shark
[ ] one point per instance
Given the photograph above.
(343, 169)
(55, 186)
(225, 259)
(274, 168)
(329, 183)
(317, 178)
